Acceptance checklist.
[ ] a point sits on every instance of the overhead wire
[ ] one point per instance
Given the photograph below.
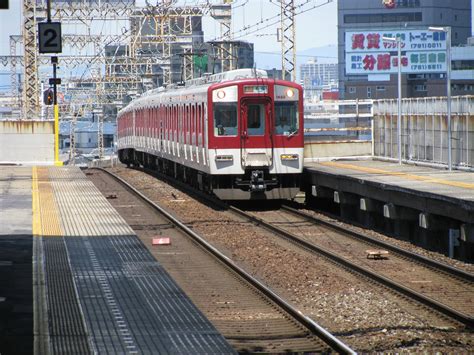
(243, 32)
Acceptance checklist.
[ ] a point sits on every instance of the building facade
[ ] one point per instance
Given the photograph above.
(318, 77)
(402, 16)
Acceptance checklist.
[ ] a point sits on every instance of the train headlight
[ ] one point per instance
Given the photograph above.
(288, 157)
(224, 158)
(290, 93)
(221, 94)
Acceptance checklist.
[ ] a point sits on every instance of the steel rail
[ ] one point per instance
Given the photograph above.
(429, 302)
(452, 271)
(304, 320)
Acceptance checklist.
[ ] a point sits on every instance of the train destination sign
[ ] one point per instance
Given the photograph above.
(422, 52)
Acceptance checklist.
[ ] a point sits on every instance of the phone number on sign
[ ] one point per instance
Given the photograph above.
(425, 45)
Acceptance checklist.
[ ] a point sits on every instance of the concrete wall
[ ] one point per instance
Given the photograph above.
(27, 141)
(321, 150)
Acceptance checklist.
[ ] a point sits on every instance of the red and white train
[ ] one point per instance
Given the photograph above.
(237, 134)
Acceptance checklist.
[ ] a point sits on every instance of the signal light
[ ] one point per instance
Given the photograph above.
(48, 97)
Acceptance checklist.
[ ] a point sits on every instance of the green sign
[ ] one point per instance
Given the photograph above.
(200, 63)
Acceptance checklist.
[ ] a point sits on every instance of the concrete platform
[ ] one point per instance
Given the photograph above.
(16, 249)
(94, 287)
(417, 199)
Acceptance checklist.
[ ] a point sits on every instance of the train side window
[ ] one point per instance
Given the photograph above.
(186, 124)
(193, 124)
(205, 127)
(175, 123)
(199, 125)
(225, 119)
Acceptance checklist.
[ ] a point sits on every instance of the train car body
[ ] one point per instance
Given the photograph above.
(237, 134)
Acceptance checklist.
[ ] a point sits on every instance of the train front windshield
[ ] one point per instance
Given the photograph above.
(286, 118)
(225, 119)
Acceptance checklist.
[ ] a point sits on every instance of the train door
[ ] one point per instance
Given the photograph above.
(256, 127)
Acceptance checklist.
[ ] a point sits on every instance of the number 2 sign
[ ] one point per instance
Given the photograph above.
(49, 37)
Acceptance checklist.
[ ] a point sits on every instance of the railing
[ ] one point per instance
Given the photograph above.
(424, 130)
(338, 129)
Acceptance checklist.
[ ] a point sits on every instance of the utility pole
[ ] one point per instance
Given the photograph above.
(398, 41)
(72, 141)
(54, 61)
(100, 138)
(50, 42)
(30, 90)
(287, 37)
(447, 30)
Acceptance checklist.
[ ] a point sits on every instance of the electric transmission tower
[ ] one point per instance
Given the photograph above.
(288, 39)
(224, 48)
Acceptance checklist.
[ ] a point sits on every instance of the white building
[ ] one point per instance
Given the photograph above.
(462, 73)
(316, 77)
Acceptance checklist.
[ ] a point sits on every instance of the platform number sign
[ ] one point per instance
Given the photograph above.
(49, 37)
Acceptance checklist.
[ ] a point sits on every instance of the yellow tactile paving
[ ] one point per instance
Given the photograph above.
(463, 185)
(46, 219)
(65, 203)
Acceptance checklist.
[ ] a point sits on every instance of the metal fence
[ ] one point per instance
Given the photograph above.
(424, 130)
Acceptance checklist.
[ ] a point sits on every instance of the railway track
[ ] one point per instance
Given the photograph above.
(250, 315)
(440, 287)
(373, 242)
(366, 315)
(453, 299)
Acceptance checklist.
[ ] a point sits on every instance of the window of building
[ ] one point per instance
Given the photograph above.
(384, 18)
(369, 92)
(425, 76)
(352, 90)
(408, 3)
(380, 88)
(463, 64)
(455, 17)
(420, 88)
(455, 35)
(441, 16)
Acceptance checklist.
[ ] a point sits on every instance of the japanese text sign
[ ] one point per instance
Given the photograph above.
(422, 52)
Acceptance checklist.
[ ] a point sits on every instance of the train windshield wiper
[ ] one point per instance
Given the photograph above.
(292, 133)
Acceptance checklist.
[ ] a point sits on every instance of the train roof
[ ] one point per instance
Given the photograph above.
(194, 86)
(212, 79)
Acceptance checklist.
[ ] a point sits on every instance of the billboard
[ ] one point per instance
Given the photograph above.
(368, 53)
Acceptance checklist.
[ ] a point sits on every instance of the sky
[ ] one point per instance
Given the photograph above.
(309, 25)
(316, 27)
